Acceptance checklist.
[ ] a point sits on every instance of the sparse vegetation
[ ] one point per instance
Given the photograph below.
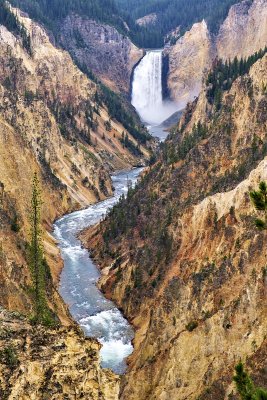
(39, 266)
(223, 74)
(15, 225)
(9, 357)
(245, 386)
(191, 326)
(11, 22)
(259, 200)
(116, 108)
(172, 154)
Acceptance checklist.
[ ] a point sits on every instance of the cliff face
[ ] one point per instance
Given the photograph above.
(190, 266)
(50, 364)
(188, 60)
(244, 31)
(52, 122)
(109, 54)
(242, 34)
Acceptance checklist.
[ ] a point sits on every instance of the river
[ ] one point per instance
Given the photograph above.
(97, 316)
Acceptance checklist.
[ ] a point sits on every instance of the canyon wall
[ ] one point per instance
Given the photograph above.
(242, 34)
(52, 122)
(189, 60)
(184, 259)
(39, 364)
(244, 31)
(110, 55)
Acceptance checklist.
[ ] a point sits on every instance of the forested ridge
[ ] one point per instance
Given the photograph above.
(223, 74)
(52, 12)
(10, 21)
(170, 14)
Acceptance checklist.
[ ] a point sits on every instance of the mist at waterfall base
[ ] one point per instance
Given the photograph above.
(147, 90)
(97, 316)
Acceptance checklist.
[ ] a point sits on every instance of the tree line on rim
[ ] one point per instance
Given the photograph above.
(170, 15)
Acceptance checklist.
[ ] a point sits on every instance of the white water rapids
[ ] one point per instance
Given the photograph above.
(147, 90)
(97, 316)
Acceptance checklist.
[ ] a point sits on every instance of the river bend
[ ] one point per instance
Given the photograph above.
(97, 316)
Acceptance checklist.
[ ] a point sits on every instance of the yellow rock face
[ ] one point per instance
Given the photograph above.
(51, 364)
(243, 33)
(208, 309)
(189, 58)
(50, 122)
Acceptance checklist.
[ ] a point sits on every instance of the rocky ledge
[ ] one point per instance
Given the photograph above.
(50, 364)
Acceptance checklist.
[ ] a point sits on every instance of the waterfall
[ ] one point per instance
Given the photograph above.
(147, 90)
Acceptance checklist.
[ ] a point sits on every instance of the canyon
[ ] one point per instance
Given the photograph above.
(52, 122)
(189, 269)
(49, 113)
(181, 259)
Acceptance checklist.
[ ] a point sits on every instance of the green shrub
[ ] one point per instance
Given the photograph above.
(15, 226)
(9, 357)
(245, 386)
(191, 326)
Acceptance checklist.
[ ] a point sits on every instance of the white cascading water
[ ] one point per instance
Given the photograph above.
(97, 316)
(147, 90)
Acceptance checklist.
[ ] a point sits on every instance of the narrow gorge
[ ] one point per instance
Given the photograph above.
(132, 146)
(98, 317)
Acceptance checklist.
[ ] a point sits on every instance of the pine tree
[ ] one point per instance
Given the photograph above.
(259, 200)
(246, 387)
(243, 383)
(36, 253)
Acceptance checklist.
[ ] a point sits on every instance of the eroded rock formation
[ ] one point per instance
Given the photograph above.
(190, 270)
(189, 60)
(244, 31)
(37, 363)
(150, 19)
(242, 34)
(109, 54)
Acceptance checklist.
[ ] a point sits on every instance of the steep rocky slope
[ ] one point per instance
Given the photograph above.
(95, 34)
(188, 60)
(242, 33)
(52, 121)
(147, 20)
(50, 364)
(109, 54)
(182, 257)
